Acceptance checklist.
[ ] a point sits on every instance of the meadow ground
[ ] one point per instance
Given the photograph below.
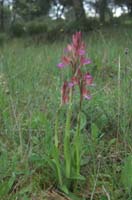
(30, 85)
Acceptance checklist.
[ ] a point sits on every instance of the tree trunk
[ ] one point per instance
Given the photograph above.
(131, 9)
(102, 10)
(1, 15)
(79, 9)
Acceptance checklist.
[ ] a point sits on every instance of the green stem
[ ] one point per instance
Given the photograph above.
(56, 138)
(58, 165)
(77, 146)
(67, 153)
(77, 138)
(56, 148)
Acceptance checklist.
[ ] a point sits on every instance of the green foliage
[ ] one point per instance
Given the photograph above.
(17, 29)
(3, 39)
(53, 34)
(68, 169)
(56, 30)
(127, 173)
(82, 25)
(94, 132)
(29, 9)
(50, 30)
(67, 139)
(36, 28)
(31, 28)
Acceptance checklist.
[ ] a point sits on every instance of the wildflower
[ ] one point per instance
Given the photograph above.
(61, 65)
(75, 58)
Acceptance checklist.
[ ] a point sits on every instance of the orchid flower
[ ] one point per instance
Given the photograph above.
(75, 58)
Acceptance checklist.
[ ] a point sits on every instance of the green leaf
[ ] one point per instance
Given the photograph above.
(26, 189)
(11, 181)
(94, 132)
(6, 186)
(56, 161)
(85, 161)
(74, 197)
(78, 177)
(126, 175)
(64, 189)
(111, 142)
(25, 197)
(67, 135)
(103, 198)
(83, 120)
(35, 157)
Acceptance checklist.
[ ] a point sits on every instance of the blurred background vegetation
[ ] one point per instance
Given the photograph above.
(51, 19)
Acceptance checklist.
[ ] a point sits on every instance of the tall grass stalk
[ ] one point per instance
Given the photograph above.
(96, 180)
(56, 153)
(119, 96)
(18, 127)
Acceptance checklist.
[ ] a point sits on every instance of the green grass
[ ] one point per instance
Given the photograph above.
(29, 98)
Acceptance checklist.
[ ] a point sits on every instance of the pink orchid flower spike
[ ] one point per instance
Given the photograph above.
(74, 57)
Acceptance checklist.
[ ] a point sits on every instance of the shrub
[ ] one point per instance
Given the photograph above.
(2, 39)
(35, 28)
(17, 29)
(56, 31)
(84, 25)
(53, 34)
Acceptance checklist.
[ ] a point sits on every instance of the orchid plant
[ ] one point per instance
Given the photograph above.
(74, 58)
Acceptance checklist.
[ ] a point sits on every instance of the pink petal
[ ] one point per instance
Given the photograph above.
(76, 39)
(61, 65)
(66, 60)
(86, 94)
(69, 48)
(88, 97)
(88, 79)
(74, 80)
(86, 61)
(81, 52)
(70, 84)
(65, 93)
